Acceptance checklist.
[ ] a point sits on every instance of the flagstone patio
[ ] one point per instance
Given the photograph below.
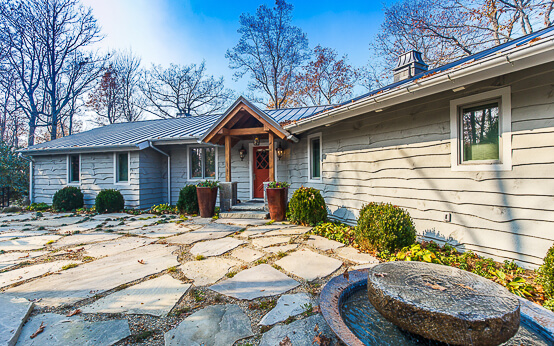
(160, 280)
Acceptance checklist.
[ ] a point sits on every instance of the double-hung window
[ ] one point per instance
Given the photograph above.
(481, 132)
(314, 157)
(202, 163)
(73, 169)
(121, 164)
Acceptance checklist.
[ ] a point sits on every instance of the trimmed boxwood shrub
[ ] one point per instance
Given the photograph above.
(546, 274)
(188, 200)
(307, 207)
(384, 227)
(67, 199)
(109, 201)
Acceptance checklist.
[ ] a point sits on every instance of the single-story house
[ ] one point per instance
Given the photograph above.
(467, 148)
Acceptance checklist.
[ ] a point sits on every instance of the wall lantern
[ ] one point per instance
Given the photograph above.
(280, 151)
(256, 141)
(242, 153)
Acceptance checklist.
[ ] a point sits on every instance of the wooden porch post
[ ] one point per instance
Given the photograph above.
(271, 157)
(228, 159)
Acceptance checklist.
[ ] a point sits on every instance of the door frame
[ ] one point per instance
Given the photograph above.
(251, 166)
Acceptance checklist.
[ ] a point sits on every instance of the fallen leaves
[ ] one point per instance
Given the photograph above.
(285, 342)
(346, 275)
(321, 340)
(39, 330)
(435, 286)
(380, 275)
(141, 262)
(73, 313)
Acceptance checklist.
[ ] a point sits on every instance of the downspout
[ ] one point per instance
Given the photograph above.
(150, 145)
(31, 176)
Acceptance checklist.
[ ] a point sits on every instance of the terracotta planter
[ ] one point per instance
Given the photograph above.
(277, 203)
(206, 200)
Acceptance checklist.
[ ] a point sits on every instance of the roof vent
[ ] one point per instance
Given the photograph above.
(409, 64)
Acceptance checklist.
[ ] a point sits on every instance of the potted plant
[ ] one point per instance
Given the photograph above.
(277, 192)
(206, 191)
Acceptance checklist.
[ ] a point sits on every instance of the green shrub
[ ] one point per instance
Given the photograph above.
(335, 231)
(307, 207)
(109, 201)
(68, 198)
(38, 207)
(161, 209)
(384, 227)
(188, 200)
(546, 274)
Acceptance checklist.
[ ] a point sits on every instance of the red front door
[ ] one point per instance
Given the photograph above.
(261, 170)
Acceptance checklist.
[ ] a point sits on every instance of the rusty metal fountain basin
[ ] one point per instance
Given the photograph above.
(346, 308)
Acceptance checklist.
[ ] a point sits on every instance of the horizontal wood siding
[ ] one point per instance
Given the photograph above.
(402, 156)
(153, 178)
(50, 175)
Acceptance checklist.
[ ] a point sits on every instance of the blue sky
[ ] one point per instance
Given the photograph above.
(184, 32)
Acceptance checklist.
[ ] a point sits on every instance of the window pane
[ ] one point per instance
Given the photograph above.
(316, 159)
(196, 163)
(123, 168)
(74, 168)
(480, 139)
(209, 166)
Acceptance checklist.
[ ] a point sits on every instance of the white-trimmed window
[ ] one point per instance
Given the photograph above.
(202, 163)
(121, 168)
(74, 169)
(314, 157)
(481, 131)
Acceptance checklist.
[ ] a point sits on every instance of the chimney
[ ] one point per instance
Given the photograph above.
(409, 64)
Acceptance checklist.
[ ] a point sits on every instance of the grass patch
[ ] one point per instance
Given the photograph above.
(69, 266)
(261, 261)
(172, 269)
(277, 267)
(281, 254)
(88, 258)
(143, 335)
(270, 222)
(230, 274)
(200, 257)
(50, 242)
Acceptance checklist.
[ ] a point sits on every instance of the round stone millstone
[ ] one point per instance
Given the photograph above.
(443, 303)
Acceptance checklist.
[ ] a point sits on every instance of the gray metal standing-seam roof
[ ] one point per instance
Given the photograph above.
(292, 114)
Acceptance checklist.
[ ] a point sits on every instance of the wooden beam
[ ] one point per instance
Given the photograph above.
(228, 158)
(271, 157)
(243, 132)
(230, 120)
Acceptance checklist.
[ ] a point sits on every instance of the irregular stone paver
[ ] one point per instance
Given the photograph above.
(208, 232)
(301, 332)
(161, 231)
(281, 248)
(215, 247)
(19, 234)
(295, 230)
(14, 276)
(212, 326)
(27, 243)
(353, 255)
(84, 238)
(153, 297)
(243, 222)
(265, 242)
(79, 227)
(62, 330)
(15, 312)
(132, 225)
(254, 231)
(208, 271)
(323, 244)
(12, 258)
(247, 254)
(55, 223)
(201, 220)
(98, 276)
(116, 246)
(113, 216)
(259, 281)
(309, 265)
(16, 217)
(288, 305)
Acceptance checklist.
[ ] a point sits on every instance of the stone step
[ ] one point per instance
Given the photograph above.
(248, 206)
(248, 214)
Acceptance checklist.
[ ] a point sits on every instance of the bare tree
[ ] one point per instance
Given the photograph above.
(45, 42)
(183, 90)
(270, 50)
(105, 99)
(128, 70)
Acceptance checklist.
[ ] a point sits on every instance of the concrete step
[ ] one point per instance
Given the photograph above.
(248, 214)
(249, 206)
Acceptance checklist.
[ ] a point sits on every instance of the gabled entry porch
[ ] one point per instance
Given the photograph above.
(262, 141)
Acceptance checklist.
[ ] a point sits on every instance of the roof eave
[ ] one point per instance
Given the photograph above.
(519, 58)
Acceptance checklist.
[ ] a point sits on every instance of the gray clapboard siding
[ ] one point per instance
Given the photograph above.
(402, 156)
(153, 178)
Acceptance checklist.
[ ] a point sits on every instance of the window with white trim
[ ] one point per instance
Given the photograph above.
(314, 157)
(481, 131)
(121, 167)
(73, 169)
(202, 163)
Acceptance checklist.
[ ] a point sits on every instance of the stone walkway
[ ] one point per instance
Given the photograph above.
(123, 279)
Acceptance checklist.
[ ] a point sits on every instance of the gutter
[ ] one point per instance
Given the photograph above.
(150, 145)
(31, 175)
(455, 77)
